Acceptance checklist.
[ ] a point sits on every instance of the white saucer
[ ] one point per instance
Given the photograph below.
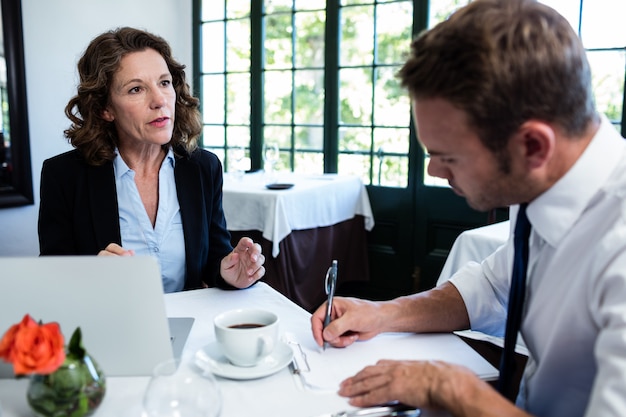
(211, 358)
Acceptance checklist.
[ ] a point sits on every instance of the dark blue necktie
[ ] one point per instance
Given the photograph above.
(516, 303)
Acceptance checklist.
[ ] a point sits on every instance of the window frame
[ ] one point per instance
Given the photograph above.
(331, 124)
(332, 67)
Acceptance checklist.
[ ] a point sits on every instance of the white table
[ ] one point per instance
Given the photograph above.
(302, 229)
(313, 201)
(277, 395)
(474, 245)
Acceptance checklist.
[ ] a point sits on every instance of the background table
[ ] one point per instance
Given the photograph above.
(302, 229)
(474, 245)
(276, 395)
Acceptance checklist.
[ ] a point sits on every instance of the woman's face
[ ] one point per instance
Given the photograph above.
(142, 100)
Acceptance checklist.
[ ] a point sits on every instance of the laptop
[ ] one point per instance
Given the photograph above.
(118, 303)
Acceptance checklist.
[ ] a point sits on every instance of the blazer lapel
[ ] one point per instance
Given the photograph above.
(103, 202)
(192, 211)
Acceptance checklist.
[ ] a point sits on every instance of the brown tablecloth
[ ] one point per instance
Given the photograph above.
(299, 270)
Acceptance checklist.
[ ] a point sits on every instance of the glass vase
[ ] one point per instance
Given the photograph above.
(76, 389)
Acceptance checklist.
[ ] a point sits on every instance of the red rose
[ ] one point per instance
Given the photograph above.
(33, 348)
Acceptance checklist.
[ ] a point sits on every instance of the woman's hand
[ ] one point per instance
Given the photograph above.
(244, 265)
(113, 249)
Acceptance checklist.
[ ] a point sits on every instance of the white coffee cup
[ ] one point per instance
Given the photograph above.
(246, 336)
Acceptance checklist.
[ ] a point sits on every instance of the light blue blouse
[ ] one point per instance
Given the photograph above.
(166, 240)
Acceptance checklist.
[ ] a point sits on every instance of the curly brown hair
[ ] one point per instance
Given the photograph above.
(97, 138)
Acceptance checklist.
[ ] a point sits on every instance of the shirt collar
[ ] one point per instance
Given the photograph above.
(554, 212)
(170, 157)
(121, 169)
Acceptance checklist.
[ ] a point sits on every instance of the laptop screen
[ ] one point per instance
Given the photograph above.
(118, 302)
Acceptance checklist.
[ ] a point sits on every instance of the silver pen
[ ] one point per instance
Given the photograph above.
(330, 283)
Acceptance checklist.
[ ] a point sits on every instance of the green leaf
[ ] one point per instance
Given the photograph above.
(75, 348)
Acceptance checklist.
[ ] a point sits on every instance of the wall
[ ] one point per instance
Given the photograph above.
(55, 35)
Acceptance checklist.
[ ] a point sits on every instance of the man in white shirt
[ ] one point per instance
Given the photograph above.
(503, 104)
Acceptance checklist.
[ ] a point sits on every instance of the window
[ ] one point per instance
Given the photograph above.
(225, 81)
(317, 79)
(599, 24)
(325, 71)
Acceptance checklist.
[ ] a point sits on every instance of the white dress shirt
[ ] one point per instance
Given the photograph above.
(574, 323)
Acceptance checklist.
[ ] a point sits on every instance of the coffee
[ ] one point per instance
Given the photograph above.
(246, 336)
(246, 326)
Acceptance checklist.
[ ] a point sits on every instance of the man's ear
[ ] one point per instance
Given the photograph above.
(107, 115)
(536, 140)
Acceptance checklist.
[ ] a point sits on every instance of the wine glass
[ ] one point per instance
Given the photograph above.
(238, 154)
(179, 389)
(271, 154)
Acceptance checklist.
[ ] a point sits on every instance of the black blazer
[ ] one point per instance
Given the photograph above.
(78, 211)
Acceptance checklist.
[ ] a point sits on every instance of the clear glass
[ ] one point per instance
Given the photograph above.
(391, 140)
(356, 165)
(607, 73)
(357, 36)
(238, 135)
(238, 98)
(602, 24)
(76, 388)
(349, 2)
(213, 57)
(236, 8)
(271, 154)
(310, 42)
(238, 45)
(309, 97)
(213, 98)
(238, 163)
(277, 99)
(309, 137)
(274, 6)
(393, 31)
(278, 134)
(391, 170)
(355, 96)
(439, 10)
(392, 106)
(278, 46)
(213, 10)
(309, 163)
(310, 4)
(181, 389)
(213, 136)
(354, 139)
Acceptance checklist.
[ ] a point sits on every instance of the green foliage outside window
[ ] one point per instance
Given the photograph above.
(370, 136)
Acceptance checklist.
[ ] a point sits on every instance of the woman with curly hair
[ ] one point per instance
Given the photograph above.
(137, 182)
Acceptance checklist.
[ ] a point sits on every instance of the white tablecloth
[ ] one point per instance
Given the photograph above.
(281, 394)
(313, 201)
(474, 245)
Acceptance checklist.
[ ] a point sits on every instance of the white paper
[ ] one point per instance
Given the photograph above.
(328, 368)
